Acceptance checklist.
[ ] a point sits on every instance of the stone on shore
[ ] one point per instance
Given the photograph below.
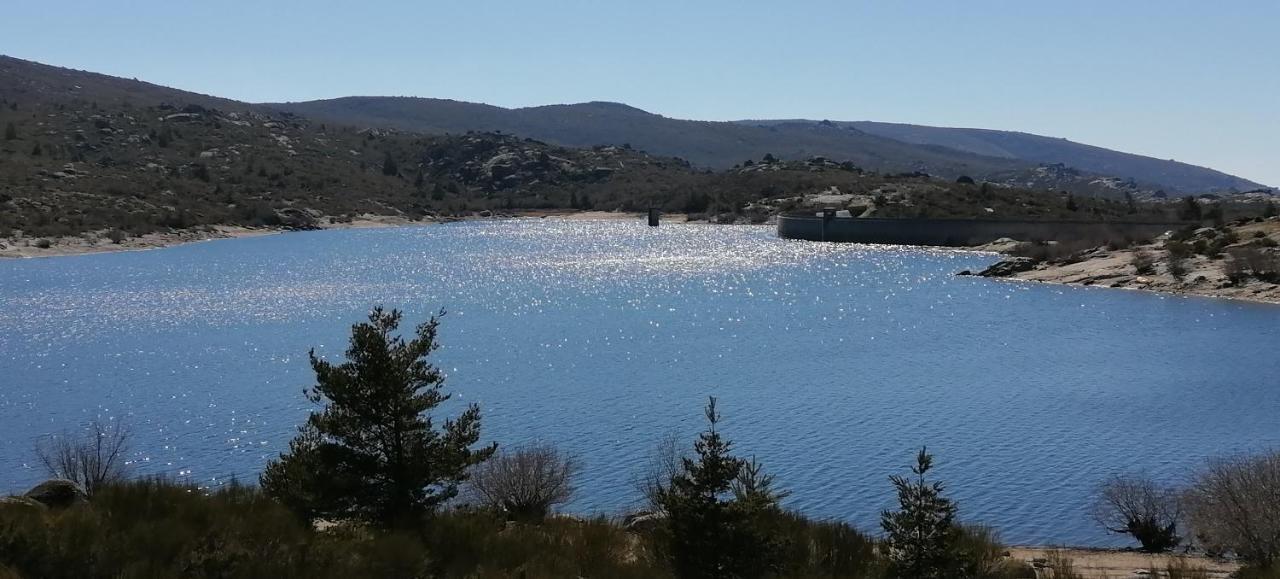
(1009, 266)
(58, 493)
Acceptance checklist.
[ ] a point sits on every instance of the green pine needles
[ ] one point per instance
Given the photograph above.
(722, 512)
(372, 452)
(921, 538)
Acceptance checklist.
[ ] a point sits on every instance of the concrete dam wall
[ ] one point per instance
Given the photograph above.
(958, 232)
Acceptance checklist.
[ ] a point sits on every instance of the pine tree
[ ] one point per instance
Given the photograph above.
(921, 537)
(389, 167)
(10, 132)
(371, 453)
(1190, 209)
(1214, 214)
(721, 512)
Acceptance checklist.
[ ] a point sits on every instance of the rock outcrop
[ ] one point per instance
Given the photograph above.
(58, 493)
(1008, 267)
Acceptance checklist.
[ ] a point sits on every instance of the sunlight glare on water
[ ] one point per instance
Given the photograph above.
(833, 363)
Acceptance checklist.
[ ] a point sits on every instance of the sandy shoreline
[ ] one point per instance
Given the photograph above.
(1120, 564)
(97, 242)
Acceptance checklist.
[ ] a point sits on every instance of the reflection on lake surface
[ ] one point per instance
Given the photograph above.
(833, 363)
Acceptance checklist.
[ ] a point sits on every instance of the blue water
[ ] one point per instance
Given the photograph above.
(833, 363)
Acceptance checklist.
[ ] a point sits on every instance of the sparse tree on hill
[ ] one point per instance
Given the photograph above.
(10, 131)
(1190, 209)
(389, 166)
(372, 452)
(921, 536)
(1214, 214)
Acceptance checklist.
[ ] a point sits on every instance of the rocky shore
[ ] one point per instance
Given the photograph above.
(1236, 261)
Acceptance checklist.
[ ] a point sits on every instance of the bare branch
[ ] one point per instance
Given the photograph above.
(1234, 505)
(525, 482)
(91, 459)
(665, 463)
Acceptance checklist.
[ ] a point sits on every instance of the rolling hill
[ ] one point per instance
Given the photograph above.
(1005, 157)
(1181, 177)
(86, 154)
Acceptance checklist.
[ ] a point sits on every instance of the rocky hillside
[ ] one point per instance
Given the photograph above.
(1004, 157)
(715, 145)
(84, 153)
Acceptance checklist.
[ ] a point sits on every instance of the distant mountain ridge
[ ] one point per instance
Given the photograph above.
(709, 144)
(1002, 156)
(1042, 149)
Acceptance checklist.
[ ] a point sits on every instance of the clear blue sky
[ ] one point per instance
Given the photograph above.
(1196, 81)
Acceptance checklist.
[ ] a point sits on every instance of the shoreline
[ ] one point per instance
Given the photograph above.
(96, 242)
(1198, 275)
(1098, 267)
(1179, 292)
(1104, 563)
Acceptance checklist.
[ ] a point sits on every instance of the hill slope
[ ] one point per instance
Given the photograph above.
(1028, 147)
(89, 154)
(1011, 158)
(710, 144)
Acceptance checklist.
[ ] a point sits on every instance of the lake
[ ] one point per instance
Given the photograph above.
(832, 363)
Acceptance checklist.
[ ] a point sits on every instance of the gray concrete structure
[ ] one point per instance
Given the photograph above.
(958, 232)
